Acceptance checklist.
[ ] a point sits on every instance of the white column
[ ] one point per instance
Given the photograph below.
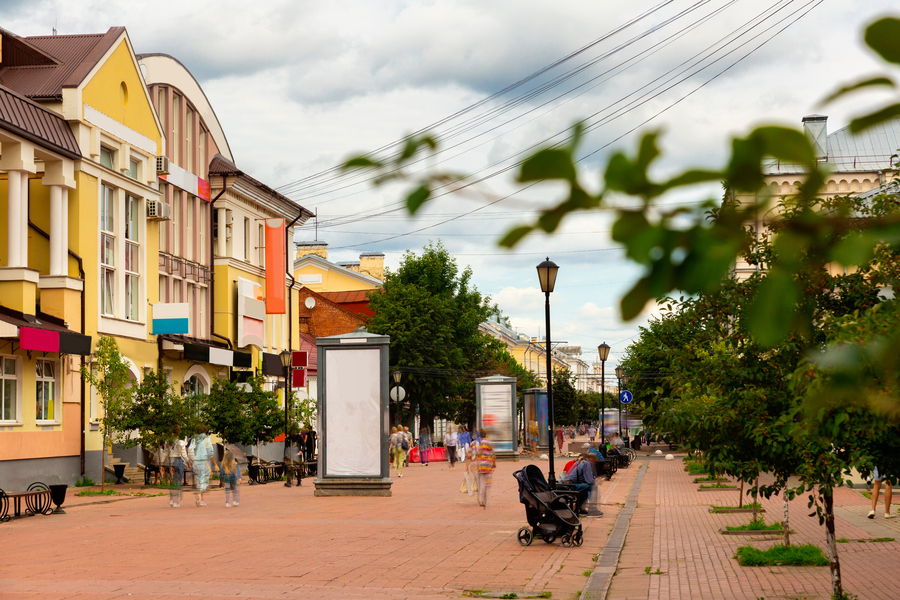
(14, 222)
(58, 230)
(220, 241)
(23, 244)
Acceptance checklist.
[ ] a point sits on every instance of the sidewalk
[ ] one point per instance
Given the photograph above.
(672, 531)
(427, 541)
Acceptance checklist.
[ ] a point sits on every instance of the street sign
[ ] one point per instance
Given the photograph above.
(398, 394)
(625, 397)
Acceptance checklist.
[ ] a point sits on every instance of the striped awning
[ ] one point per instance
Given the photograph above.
(217, 356)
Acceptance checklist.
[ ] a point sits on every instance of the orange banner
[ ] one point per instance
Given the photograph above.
(275, 267)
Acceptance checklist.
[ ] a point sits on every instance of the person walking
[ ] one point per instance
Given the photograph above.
(177, 459)
(876, 489)
(451, 439)
(485, 463)
(424, 445)
(232, 478)
(203, 461)
(399, 446)
(409, 443)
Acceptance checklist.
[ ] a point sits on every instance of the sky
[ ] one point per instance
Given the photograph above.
(300, 86)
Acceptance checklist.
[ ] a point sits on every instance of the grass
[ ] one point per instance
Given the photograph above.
(656, 572)
(805, 555)
(85, 482)
(694, 467)
(97, 493)
(842, 540)
(723, 509)
(702, 479)
(867, 494)
(510, 595)
(758, 525)
(587, 573)
(864, 540)
(718, 486)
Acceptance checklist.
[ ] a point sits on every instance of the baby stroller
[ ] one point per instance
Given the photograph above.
(549, 513)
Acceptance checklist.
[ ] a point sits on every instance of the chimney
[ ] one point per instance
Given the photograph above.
(816, 130)
(307, 248)
(372, 264)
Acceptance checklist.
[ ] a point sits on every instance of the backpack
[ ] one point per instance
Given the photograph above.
(201, 452)
(404, 444)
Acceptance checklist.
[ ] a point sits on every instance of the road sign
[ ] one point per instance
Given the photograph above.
(625, 397)
(398, 394)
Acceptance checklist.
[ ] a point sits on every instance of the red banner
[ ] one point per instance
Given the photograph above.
(298, 378)
(275, 267)
(300, 358)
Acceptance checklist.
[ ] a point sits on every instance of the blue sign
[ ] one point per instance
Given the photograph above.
(625, 397)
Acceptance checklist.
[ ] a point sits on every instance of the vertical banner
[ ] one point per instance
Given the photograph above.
(275, 267)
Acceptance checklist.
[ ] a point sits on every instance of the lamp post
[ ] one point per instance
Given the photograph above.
(603, 351)
(625, 385)
(286, 364)
(547, 276)
(620, 373)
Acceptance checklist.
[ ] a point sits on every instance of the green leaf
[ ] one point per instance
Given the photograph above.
(634, 301)
(514, 236)
(865, 83)
(855, 249)
(360, 162)
(771, 313)
(882, 36)
(879, 116)
(417, 198)
(549, 163)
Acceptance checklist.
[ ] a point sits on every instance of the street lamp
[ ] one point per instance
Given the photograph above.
(396, 376)
(547, 276)
(286, 364)
(625, 385)
(603, 351)
(620, 373)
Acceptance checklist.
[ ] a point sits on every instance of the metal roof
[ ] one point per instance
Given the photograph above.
(867, 151)
(220, 165)
(346, 297)
(35, 123)
(75, 56)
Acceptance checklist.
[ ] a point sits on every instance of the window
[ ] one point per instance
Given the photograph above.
(262, 246)
(189, 140)
(107, 250)
(246, 238)
(176, 128)
(163, 289)
(132, 258)
(201, 155)
(193, 390)
(132, 168)
(107, 157)
(46, 389)
(161, 106)
(176, 222)
(9, 390)
(164, 225)
(189, 228)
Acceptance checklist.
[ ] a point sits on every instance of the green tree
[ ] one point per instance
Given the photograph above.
(157, 413)
(109, 374)
(566, 401)
(432, 312)
(243, 416)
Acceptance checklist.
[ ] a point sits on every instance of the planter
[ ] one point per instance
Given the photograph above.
(58, 495)
(724, 531)
(119, 470)
(719, 489)
(735, 510)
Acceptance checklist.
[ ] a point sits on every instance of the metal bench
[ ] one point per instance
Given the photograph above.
(37, 500)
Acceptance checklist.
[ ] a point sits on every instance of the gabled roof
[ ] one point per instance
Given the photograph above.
(322, 263)
(220, 165)
(35, 123)
(73, 58)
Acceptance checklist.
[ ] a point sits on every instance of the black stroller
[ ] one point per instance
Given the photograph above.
(550, 513)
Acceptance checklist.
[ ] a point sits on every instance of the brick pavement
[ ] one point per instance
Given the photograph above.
(426, 541)
(672, 531)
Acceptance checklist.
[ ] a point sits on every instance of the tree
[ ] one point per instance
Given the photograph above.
(157, 413)
(432, 312)
(110, 377)
(566, 405)
(242, 416)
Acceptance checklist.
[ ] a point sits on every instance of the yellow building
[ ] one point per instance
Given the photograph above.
(528, 351)
(82, 253)
(313, 269)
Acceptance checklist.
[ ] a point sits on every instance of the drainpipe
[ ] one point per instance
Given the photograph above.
(212, 265)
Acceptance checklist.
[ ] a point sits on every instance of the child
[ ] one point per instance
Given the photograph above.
(232, 478)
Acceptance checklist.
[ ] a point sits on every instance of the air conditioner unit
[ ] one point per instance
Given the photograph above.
(162, 165)
(158, 211)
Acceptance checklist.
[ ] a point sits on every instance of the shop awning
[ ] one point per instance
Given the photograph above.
(217, 356)
(39, 335)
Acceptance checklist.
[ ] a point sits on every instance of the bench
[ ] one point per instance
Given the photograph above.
(37, 500)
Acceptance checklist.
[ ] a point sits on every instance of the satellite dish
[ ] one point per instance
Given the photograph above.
(310, 302)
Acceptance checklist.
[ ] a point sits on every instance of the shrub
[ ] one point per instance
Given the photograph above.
(794, 556)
